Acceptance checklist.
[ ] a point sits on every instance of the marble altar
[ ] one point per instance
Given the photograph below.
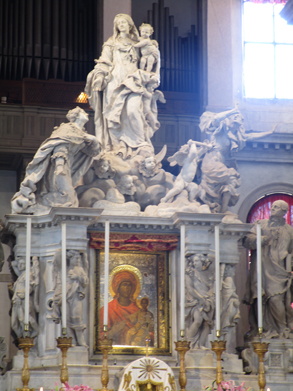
(85, 180)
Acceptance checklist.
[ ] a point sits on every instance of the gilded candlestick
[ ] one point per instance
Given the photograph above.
(182, 347)
(219, 347)
(25, 344)
(260, 349)
(64, 343)
(105, 345)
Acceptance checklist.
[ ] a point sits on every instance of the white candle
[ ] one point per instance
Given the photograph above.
(217, 276)
(259, 275)
(106, 283)
(182, 279)
(27, 269)
(63, 273)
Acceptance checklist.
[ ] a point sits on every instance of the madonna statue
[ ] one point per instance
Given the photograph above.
(121, 94)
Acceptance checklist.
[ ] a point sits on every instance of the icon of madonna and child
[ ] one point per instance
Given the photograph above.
(129, 320)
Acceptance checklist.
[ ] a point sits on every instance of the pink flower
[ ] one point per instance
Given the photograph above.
(82, 387)
(227, 386)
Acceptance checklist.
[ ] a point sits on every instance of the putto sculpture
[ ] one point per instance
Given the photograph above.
(148, 48)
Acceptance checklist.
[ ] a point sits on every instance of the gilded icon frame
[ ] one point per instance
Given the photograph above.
(153, 271)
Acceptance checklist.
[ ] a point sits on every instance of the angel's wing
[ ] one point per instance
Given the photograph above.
(179, 156)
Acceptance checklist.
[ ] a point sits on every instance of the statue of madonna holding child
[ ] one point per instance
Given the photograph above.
(122, 94)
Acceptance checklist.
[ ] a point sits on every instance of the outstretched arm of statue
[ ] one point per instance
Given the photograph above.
(252, 135)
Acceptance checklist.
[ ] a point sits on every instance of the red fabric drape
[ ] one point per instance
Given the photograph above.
(135, 242)
(261, 209)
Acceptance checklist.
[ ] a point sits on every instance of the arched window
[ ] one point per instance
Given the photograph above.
(261, 209)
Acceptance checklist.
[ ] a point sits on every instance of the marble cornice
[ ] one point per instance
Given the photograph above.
(95, 221)
(146, 224)
(274, 148)
(80, 216)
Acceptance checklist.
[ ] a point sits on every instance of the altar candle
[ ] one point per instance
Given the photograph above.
(217, 276)
(63, 273)
(27, 269)
(259, 274)
(106, 283)
(182, 278)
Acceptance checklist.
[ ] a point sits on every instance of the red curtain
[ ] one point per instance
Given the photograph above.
(261, 209)
(135, 242)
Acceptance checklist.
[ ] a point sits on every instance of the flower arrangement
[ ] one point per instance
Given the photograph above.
(75, 388)
(227, 386)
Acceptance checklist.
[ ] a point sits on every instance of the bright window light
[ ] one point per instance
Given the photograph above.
(268, 52)
(259, 71)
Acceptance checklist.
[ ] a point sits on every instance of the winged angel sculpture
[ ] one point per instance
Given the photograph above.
(213, 162)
